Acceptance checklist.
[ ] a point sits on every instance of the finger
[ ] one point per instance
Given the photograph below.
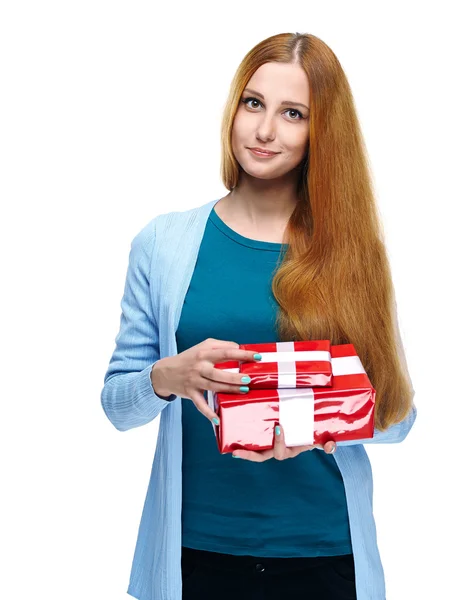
(224, 354)
(280, 449)
(213, 377)
(214, 343)
(330, 447)
(202, 405)
(259, 456)
(220, 380)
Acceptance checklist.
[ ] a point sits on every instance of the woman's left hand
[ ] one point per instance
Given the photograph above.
(280, 450)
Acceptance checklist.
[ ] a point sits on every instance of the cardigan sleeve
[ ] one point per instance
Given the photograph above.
(396, 433)
(128, 397)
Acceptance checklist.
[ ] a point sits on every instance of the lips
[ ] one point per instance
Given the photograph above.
(262, 151)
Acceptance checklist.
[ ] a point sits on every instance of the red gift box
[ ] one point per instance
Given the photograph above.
(289, 364)
(342, 412)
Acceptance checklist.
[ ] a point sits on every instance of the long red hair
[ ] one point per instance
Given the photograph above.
(334, 280)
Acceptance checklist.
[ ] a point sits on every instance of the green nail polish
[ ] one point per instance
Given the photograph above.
(257, 357)
(246, 379)
(277, 430)
(216, 421)
(244, 388)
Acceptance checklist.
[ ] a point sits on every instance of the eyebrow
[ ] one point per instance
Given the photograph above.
(284, 103)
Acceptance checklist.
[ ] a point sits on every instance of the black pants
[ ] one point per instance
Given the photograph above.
(211, 575)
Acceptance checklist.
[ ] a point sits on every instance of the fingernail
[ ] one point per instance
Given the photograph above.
(332, 450)
(257, 357)
(216, 421)
(246, 379)
(236, 456)
(277, 430)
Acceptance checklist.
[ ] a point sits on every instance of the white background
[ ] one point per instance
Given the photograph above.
(110, 114)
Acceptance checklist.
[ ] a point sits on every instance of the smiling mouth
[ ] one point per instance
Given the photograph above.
(262, 153)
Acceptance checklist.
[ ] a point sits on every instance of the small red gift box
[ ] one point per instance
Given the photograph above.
(344, 411)
(289, 364)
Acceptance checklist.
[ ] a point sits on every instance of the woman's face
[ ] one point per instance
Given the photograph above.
(264, 122)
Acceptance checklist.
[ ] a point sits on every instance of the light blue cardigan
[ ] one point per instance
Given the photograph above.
(161, 263)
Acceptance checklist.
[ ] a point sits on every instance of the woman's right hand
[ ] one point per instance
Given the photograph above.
(191, 372)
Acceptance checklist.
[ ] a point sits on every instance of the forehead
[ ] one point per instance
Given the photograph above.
(281, 81)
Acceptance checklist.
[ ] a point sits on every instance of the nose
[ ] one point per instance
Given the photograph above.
(266, 129)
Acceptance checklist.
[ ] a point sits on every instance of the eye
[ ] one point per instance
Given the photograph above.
(248, 100)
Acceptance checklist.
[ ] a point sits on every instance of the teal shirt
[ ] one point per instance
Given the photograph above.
(286, 508)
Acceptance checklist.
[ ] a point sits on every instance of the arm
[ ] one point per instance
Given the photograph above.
(128, 397)
(396, 433)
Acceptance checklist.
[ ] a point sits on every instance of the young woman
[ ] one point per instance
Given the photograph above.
(294, 251)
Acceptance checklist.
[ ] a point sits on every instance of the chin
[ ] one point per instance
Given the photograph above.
(262, 173)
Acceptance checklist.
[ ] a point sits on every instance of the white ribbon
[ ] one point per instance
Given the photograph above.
(347, 365)
(287, 357)
(296, 415)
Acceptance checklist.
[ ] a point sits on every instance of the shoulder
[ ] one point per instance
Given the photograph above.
(164, 223)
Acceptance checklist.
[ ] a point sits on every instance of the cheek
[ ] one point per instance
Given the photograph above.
(241, 125)
(238, 130)
(294, 138)
(298, 146)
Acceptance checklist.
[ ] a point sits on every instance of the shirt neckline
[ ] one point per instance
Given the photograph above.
(241, 239)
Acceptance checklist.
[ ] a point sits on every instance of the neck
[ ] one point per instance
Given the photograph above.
(260, 201)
